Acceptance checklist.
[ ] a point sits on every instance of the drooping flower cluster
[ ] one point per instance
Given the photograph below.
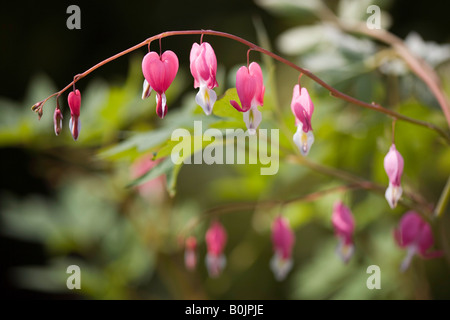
(415, 235)
(344, 226)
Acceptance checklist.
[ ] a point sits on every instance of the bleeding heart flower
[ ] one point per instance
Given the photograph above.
(57, 121)
(159, 72)
(250, 89)
(203, 68)
(216, 239)
(74, 100)
(153, 190)
(283, 241)
(302, 108)
(344, 226)
(415, 235)
(393, 165)
(190, 254)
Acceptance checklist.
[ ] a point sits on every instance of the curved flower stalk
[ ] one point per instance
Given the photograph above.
(283, 239)
(393, 165)
(74, 100)
(344, 226)
(302, 108)
(414, 234)
(203, 65)
(216, 239)
(250, 89)
(159, 72)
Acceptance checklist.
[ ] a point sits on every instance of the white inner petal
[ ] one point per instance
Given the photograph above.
(252, 119)
(206, 98)
(303, 140)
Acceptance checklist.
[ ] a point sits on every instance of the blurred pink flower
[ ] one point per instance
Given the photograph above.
(203, 65)
(415, 235)
(283, 241)
(344, 226)
(216, 239)
(393, 165)
(159, 72)
(154, 189)
(250, 89)
(190, 253)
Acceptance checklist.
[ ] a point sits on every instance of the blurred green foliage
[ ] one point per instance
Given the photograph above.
(129, 245)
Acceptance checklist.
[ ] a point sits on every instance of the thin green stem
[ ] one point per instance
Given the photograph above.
(443, 200)
(334, 92)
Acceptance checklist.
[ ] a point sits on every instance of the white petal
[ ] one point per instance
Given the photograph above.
(393, 194)
(344, 251)
(303, 140)
(71, 128)
(280, 267)
(146, 90)
(206, 98)
(409, 255)
(164, 101)
(215, 264)
(252, 119)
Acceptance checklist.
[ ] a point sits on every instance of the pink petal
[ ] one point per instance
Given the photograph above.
(409, 228)
(393, 165)
(74, 101)
(216, 238)
(282, 237)
(343, 221)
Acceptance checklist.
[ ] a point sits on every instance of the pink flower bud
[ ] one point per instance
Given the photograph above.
(283, 241)
(190, 254)
(393, 165)
(57, 121)
(159, 73)
(216, 238)
(203, 68)
(415, 235)
(74, 100)
(344, 226)
(250, 89)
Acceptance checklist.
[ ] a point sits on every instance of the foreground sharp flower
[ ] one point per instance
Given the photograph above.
(344, 226)
(159, 73)
(302, 108)
(57, 121)
(216, 238)
(414, 234)
(250, 89)
(190, 254)
(74, 100)
(283, 240)
(393, 165)
(203, 64)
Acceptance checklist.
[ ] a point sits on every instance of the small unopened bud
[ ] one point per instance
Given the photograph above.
(36, 106)
(57, 121)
